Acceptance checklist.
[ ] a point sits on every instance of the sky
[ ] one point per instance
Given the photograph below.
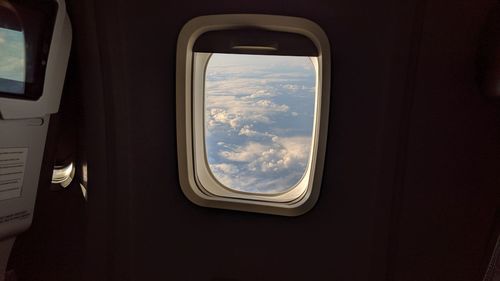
(12, 60)
(259, 113)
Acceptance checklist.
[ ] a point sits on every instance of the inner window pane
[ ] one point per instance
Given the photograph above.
(12, 61)
(259, 116)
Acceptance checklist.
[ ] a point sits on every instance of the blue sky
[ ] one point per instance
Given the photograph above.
(258, 120)
(12, 53)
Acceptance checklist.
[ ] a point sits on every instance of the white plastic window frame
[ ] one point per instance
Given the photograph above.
(197, 182)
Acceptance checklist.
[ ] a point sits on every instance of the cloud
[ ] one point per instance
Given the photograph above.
(240, 182)
(284, 153)
(263, 93)
(247, 153)
(291, 87)
(252, 143)
(263, 163)
(296, 150)
(272, 105)
(224, 168)
(232, 111)
(247, 131)
(221, 116)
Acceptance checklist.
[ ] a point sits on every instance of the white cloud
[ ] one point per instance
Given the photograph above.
(246, 110)
(224, 168)
(285, 153)
(239, 93)
(296, 150)
(291, 87)
(281, 153)
(271, 105)
(247, 131)
(247, 153)
(221, 116)
(263, 93)
(233, 111)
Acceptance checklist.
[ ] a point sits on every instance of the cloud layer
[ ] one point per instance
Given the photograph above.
(259, 117)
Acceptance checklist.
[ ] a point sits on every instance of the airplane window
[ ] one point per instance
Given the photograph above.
(259, 121)
(252, 112)
(12, 61)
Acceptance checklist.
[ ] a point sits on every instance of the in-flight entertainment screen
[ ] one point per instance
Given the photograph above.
(12, 61)
(25, 35)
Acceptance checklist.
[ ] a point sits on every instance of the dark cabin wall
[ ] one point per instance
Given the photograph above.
(410, 187)
(155, 233)
(451, 181)
(394, 171)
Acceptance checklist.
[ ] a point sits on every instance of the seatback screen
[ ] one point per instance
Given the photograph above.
(25, 34)
(12, 61)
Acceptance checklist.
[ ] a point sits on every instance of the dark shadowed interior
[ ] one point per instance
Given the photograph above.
(411, 188)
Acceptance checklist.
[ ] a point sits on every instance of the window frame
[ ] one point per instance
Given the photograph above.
(196, 180)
